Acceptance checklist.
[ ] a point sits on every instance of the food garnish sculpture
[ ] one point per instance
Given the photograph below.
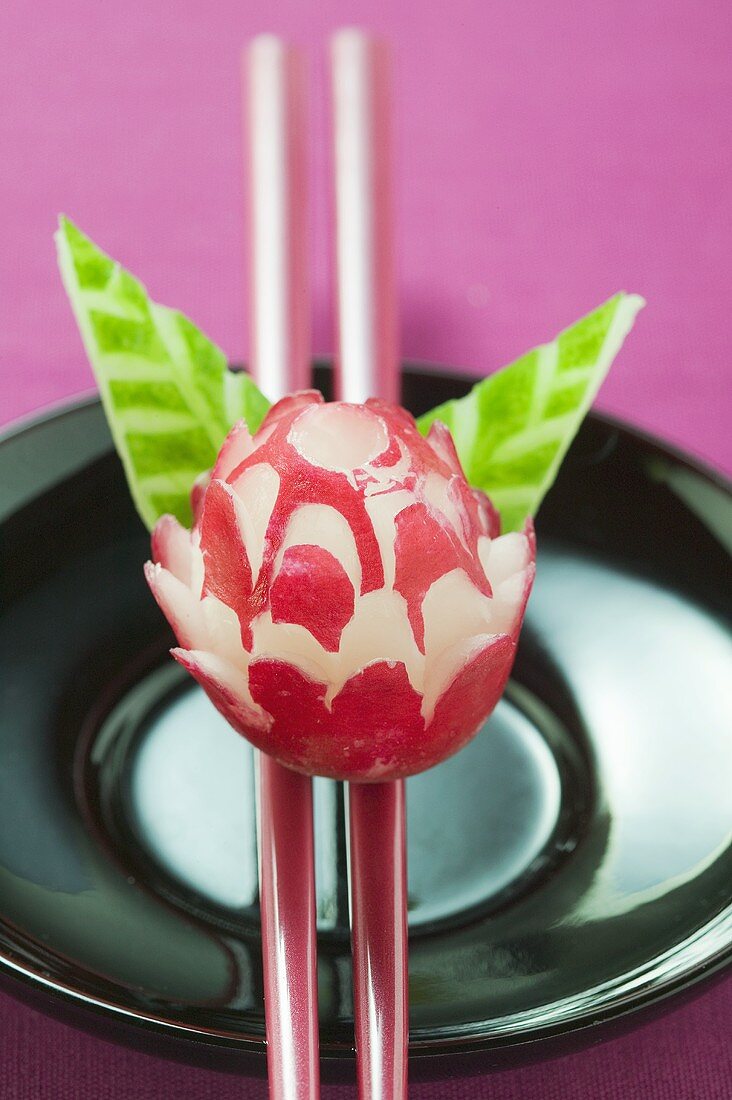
(344, 597)
(337, 579)
(340, 584)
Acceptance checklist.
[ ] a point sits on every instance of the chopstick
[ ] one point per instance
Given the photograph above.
(378, 869)
(368, 366)
(367, 357)
(274, 104)
(275, 98)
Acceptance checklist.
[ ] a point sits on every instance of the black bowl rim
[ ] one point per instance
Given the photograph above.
(90, 396)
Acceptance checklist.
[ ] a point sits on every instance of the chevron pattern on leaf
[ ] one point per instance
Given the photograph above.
(513, 429)
(167, 391)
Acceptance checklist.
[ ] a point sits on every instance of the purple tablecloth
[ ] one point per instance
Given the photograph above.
(549, 154)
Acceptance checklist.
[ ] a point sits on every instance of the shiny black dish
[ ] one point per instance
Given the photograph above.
(568, 871)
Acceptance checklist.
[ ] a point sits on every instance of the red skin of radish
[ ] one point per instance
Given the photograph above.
(286, 678)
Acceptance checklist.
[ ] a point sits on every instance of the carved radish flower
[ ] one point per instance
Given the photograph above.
(344, 597)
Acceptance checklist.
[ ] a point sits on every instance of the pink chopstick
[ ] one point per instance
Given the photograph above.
(274, 105)
(379, 919)
(275, 95)
(368, 366)
(287, 890)
(367, 357)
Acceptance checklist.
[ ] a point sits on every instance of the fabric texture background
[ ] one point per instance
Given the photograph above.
(548, 155)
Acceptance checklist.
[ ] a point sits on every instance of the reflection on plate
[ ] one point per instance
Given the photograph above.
(569, 868)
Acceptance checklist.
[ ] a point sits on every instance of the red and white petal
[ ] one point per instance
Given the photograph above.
(228, 574)
(171, 548)
(374, 730)
(180, 606)
(380, 629)
(228, 689)
(312, 589)
(288, 407)
(198, 495)
(322, 525)
(439, 494)
(529, 572)
(377, 728)
(470, 695)
(478, 516)
(339, 437)
(197, 569)
(385, 465)
(509, 565)
(424, 553)
(488, 514)
(453, 609)
(223, 631)
(237, 447)
(529, 578)
(424, 457)
(530, 534)
(301, 722)
(382, 510)
(256, 490)
(303, 484)
(442, 443)
(505, 556)
(394, 415)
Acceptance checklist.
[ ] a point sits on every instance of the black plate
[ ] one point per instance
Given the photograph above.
(568, 869)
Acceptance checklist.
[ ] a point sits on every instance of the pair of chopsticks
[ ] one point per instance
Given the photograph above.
(366, 366)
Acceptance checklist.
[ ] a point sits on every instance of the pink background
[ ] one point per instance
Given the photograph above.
(549, 154)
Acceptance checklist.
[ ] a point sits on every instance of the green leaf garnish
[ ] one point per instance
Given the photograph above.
(514, 428)
(168, 393)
